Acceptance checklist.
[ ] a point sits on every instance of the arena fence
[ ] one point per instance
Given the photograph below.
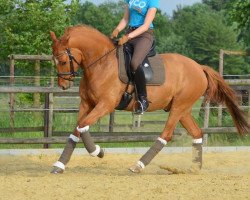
(51, 136)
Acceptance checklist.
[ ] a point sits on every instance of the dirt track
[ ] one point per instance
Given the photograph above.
(224, 176)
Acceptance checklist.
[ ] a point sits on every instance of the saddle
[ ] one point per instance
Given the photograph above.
(152, 66)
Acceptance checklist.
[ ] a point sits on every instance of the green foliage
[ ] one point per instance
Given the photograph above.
(25, 25)
(104, 17)
(240, 13)
(217, 5)
(205, 33)
(197, 31)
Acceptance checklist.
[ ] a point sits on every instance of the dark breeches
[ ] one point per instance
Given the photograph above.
(141, 45)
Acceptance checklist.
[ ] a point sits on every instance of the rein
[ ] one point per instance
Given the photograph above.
(72, 72)
(102, 57)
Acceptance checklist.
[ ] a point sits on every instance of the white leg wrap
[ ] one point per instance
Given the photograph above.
(162, 140)
(96, 152)
(140, 164)
(60, 165)
(83, 129)
(74, 138)
(197, 141)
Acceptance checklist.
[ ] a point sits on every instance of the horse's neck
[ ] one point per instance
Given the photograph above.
(99, 59)
(92, 49)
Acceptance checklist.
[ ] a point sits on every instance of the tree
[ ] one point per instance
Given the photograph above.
(205, 33)
(239, 12)
(104, 17)
(217, 5)
(25, 25)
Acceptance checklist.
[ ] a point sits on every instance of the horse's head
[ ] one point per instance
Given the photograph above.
(66, 59)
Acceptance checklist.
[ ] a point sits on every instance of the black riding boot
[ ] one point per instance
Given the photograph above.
(140, 84)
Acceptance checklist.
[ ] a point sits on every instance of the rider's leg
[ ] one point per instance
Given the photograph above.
(140, 86)
(142, 45)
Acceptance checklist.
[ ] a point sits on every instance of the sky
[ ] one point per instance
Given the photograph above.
(166, 6)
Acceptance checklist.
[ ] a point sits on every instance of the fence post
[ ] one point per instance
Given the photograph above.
(219, 122)
(221, 66)
(37, 83)
(12, 96)
(206, 122)
(136, 120)
(111, 122)
(48, 116)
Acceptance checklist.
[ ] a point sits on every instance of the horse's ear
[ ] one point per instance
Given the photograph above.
(53, 37)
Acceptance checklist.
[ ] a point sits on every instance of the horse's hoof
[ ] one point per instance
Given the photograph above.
(56, 170)
(136, 169)
(101, 154)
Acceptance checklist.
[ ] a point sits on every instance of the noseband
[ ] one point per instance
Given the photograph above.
(72, 72)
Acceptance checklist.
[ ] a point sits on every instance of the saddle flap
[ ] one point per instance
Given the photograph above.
(157, 69)
(147, 69)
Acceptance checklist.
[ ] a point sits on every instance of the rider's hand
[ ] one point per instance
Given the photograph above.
(123, 40)
(114, 34)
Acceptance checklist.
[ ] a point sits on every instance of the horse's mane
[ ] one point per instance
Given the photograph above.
(80, 29)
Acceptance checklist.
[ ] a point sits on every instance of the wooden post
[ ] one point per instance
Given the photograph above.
(221, 62)
(221, 66)
(136, 120)
(12, 96)
(219, 122)
(48, 116)
(37, 83)
(206, 122)
(111, 122)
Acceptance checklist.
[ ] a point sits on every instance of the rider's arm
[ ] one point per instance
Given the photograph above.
(124, 21)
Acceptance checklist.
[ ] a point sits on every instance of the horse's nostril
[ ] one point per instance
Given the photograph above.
(63, 88)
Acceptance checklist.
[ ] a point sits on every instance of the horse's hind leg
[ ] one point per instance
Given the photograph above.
(166, 136)
(190, 125)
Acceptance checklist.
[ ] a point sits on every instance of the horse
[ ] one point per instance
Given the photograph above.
(101, 90)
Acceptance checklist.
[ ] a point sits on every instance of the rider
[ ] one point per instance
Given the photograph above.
(140, 15)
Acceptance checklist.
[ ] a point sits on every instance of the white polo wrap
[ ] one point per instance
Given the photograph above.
(162, 140)
(60, 165)
(74, 138)
(96, 152)
(83, 129)
(197, 141)
(140, 164)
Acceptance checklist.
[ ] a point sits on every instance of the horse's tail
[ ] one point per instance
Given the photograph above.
(219, 92)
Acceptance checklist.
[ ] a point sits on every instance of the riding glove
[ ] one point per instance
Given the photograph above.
(123, 40)
(114, 34)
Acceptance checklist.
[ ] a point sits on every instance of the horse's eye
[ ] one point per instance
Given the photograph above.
(63, 63)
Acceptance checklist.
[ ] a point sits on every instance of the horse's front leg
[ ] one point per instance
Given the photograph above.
(83, 129)
(59, 166)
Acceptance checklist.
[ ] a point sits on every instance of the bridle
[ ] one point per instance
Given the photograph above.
(72, 72)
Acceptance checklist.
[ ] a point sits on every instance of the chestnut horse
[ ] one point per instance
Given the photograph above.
(101, 91)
